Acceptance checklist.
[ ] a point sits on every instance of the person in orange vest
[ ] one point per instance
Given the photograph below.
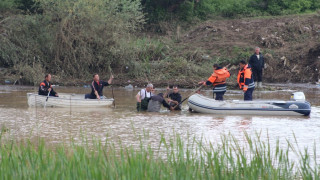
(218, 80)
(45, 87)
(245, 80)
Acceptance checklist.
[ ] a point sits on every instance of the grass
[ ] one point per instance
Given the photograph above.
(173, 159)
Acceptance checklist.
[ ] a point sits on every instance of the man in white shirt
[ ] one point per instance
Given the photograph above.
(143, 97)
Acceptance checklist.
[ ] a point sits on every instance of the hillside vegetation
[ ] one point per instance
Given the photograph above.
(160, 41)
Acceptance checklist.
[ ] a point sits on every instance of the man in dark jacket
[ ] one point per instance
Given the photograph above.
(97, 87)
(45, 87)
(175, 98)
(257, 63)
(155, 103)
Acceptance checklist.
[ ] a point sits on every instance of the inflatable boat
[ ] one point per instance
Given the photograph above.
(295, 106)
(66, 100)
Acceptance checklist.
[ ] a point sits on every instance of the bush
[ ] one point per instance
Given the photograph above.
(188, 9)
(8, 5)
(73, 38)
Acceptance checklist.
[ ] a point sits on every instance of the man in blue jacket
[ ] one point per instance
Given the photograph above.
(257, 63)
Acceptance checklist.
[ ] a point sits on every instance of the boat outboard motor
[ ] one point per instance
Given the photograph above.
(298, 96)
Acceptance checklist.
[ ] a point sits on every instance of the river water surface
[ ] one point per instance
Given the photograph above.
(57, 125)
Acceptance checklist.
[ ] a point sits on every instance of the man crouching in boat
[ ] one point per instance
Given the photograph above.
(218, 80)
(97, 87)
(245, 80)
(45, 87)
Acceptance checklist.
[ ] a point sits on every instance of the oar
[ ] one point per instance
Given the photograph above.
(114, 101)
(188, 96)
(45, 103)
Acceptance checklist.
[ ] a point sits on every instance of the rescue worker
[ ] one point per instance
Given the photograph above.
(174, 98)
(97, 87)
(245, 80)
(143, 97)
(155, 103)
(218, 80)
(45, 87)
(257, 63)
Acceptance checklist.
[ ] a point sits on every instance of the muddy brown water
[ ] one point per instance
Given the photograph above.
(59, 125)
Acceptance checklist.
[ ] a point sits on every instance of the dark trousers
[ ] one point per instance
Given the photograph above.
(248, 94)
(219, 95)
(257, 74)
(89, 96)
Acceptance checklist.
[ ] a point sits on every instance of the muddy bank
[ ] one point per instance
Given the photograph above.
(290, 44)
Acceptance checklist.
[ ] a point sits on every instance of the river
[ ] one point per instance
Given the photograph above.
(56, 125)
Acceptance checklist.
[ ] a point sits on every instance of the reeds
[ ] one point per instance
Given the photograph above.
(173, 159)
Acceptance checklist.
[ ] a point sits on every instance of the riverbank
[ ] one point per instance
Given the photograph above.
(177, 53)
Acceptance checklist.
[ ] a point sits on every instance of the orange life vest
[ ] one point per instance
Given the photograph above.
(219, 76)
(244, 78)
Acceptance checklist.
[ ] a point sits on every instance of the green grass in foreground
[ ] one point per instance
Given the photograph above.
(178, 160)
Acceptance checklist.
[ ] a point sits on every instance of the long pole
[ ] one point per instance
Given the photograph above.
(45, 103)
(188, 96)
(114, 101)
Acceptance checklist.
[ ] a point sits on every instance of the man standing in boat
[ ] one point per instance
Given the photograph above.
(45, 87)
(245, 80)
(218, 80)
(97, 87)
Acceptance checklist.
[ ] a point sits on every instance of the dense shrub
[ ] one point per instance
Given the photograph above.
(7, 5)
(189, 9)
(71, 38)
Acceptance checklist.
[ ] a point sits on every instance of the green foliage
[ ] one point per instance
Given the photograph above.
(28, 5)
(25, 5)
(71, 38)
(315, 4)
(189, 9)
(8, 5)
(174, 158)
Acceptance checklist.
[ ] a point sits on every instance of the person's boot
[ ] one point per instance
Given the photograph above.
(256, 84)
(260, 84)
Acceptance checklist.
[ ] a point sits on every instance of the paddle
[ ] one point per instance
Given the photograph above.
(114, 101)
(45, 103)
(188, 96)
